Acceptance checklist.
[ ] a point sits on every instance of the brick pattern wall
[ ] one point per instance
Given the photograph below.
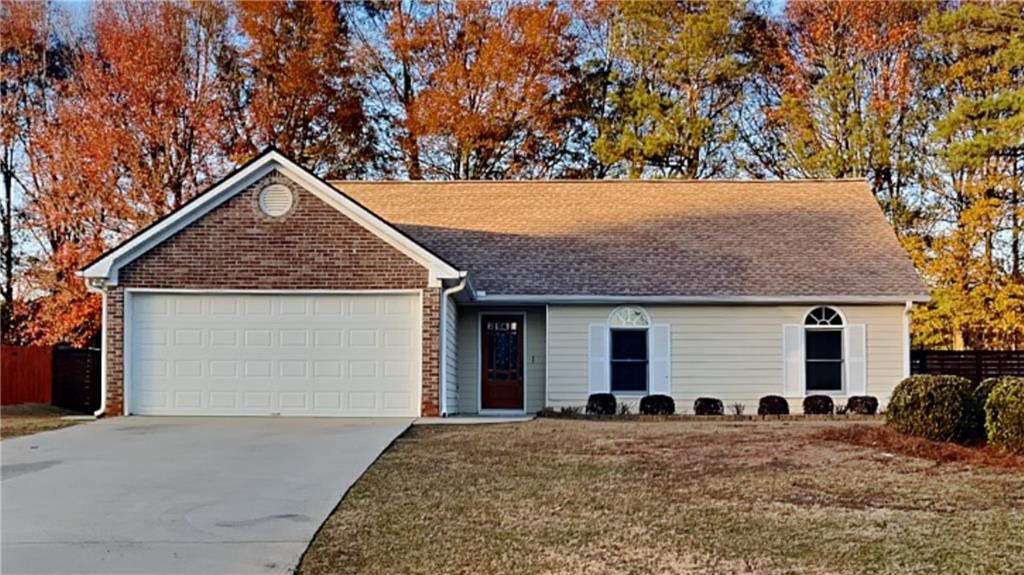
(115, 350)
(236, 246)
(430, 404)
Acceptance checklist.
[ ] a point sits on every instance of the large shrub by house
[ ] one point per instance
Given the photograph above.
(938, 407)
(1004, 414)
(981, 393)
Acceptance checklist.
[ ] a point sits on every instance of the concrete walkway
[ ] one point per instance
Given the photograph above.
(178, 495)
(474, 419)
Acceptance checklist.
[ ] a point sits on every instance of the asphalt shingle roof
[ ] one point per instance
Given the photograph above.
(654, 238)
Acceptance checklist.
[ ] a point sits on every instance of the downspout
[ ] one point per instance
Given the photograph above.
(90, 286)
(907, 310)
(443, 387)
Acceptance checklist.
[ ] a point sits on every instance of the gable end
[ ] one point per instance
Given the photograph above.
(106, 268)
(238, 246)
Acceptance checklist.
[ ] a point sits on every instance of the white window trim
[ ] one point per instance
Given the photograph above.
(842, 360)
(613, 316)
(842, 329)
(611, 361)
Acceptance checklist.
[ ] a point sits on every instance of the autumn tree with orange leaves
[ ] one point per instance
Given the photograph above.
(837, 97)
(295, 87)
(33, 59)
(115, 121)
(474, 88)
(135, 132)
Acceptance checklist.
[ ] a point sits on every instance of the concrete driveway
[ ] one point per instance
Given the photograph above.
(178, 495)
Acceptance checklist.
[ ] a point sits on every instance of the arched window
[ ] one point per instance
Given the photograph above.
(629, 350)
(820, 316)
(823, 341)
(629, 316)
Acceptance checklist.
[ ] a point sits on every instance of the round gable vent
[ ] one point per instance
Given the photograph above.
(276, 200)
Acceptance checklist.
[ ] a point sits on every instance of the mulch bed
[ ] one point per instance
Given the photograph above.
(888, 439)
(684, 417)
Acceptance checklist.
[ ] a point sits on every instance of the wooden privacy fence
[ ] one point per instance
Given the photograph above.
(974, 365)
(61, 376)
(26, 374)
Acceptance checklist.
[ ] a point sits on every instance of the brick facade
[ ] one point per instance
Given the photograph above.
(429, 405)
(236, 246)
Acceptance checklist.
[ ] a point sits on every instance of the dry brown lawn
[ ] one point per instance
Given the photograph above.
(29, 418)
(558, 496)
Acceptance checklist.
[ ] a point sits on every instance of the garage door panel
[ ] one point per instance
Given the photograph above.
(260, 354)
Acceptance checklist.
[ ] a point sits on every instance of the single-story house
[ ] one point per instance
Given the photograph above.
(276, 292)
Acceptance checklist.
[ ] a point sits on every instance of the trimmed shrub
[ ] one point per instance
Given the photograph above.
(818, 405)
(657, 405)
(937, 407)
(980, 397)
(773, 405)
(601, 404)
(862, 404)
(1004, 414)
(708, 406)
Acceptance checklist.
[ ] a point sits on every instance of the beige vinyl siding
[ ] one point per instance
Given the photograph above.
(451, 356)
(536, 334)
(733, 353)
(469, 356)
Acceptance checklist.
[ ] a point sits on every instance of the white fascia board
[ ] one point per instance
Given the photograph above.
(734, 300)
(108, 266)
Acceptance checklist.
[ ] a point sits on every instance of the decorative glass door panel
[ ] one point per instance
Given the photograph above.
(501, 378)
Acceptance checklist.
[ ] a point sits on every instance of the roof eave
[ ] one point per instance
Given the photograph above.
(699, 299)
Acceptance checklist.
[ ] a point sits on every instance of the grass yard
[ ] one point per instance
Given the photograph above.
(559, 496)
(29, 418)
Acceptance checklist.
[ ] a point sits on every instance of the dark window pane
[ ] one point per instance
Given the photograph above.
(629, 376)
(629, 344)
(827, 344)
(824, 376)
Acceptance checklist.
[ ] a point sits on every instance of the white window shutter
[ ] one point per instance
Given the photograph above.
(793, 360)
(660, 344)
(600, 358)
(856, 360)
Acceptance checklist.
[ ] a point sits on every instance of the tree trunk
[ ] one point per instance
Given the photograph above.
(7, 252)
(1015, 225)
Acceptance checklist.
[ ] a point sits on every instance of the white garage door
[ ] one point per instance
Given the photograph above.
(262, 354)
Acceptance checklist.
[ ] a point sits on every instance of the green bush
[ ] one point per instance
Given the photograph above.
(938, 407)
(602, 404)
(1004, 414)
(981, 393)
(862, 404)
(818, 405)
(773, 405)
(657, 405)
(708, 406)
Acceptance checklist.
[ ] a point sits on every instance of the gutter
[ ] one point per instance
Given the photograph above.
(443, 371)
(907, 311)
(483, 297)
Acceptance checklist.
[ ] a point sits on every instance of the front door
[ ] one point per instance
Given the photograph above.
(501, 378)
